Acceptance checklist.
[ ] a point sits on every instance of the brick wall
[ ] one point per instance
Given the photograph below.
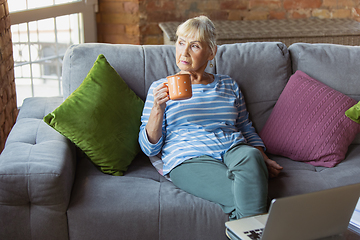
(136, 21)
(118, 21)
(8, 108)
(169, 10)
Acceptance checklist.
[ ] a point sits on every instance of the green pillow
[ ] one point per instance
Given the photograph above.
(102, 117)
(354, 113)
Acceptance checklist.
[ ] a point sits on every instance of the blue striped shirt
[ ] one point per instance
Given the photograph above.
(209, 123)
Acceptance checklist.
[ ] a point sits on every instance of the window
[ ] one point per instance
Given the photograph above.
(41, 33)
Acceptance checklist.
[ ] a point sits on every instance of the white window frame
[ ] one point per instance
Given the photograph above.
(87, 13)
(87, 8)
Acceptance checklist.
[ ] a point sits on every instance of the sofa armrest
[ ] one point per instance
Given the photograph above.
(37, 168)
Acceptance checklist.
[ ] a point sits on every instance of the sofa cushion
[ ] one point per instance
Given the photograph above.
(337, 66)
(354, 113)
(102, 117)
(299, 177)
(261, 70)
(79, 59)
(308, 123)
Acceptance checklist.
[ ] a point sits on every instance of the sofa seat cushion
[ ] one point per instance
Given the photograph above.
(140, 167)
(299, 177)
(112, 207)
(141, 204)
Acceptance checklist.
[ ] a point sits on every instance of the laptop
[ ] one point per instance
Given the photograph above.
(308, 216)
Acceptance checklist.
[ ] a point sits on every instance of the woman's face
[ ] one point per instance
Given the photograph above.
(192, 55)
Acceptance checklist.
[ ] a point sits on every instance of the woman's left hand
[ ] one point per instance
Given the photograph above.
(273, 167)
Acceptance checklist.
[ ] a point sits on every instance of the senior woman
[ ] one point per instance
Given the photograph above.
(207, 143)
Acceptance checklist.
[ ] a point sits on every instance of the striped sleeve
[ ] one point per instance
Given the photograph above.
(146, 146)
(243, 122)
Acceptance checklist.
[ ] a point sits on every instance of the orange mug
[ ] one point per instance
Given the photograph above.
(179, 86)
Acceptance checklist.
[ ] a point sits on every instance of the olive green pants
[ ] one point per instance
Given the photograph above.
(239, 183)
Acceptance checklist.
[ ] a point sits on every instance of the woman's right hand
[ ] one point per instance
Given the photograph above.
(154, 125)
(161, 96)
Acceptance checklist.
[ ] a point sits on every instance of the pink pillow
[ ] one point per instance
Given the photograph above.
(308, 123)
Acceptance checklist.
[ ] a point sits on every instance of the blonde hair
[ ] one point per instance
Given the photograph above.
(201, 28)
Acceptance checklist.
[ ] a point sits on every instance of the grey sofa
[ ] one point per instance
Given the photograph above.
(49, 190)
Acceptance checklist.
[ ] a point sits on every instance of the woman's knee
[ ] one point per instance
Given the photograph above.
(204, 178)
(241, 155)
(255, 153)
(246, 161)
